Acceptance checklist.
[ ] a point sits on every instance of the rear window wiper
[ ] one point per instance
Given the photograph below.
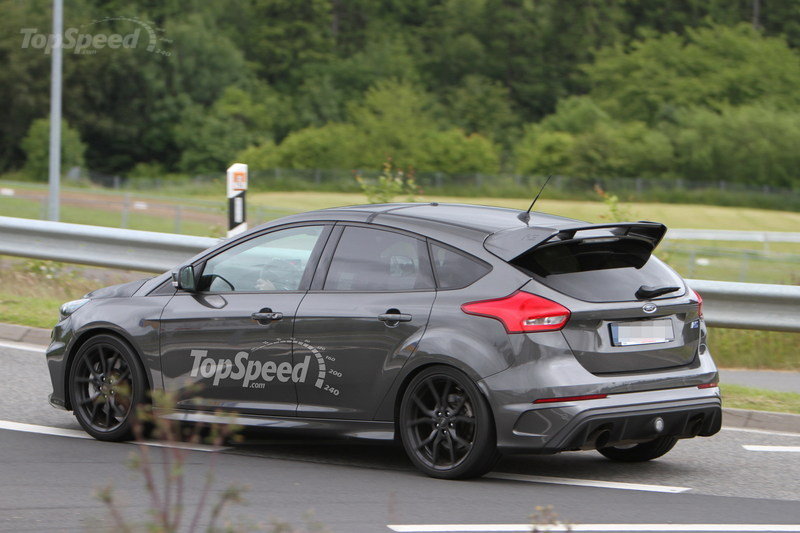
(646, 291)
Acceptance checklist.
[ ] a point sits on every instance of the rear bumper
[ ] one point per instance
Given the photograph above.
(619, 419)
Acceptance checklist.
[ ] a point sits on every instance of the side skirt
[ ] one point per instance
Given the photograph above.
(362, 429)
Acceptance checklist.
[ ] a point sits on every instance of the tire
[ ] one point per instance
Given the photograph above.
(644, 451)
(446, 425)
(106, 385)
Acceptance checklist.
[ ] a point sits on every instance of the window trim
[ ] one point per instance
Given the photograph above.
(311, 266)
(318, 283)
(462, 253)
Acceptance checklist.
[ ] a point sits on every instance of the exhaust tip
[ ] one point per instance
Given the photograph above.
(600, 437)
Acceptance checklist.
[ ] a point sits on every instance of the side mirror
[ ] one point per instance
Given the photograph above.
(183, 279)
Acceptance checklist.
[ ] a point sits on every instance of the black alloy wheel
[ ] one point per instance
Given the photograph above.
(446, 425)
(106, 384)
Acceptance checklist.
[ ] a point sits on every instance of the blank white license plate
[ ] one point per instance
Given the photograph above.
(638, 333)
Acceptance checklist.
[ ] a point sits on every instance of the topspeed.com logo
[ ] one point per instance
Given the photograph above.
(242, 368)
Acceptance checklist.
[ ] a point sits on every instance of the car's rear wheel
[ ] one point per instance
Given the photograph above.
(446, 425)
(106, 384)
(644, 451)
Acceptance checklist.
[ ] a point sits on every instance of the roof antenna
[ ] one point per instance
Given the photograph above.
(526, 216)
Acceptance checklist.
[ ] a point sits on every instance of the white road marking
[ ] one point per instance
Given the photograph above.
(23, 346)
(44, 430)
(587, 483)
(763, 432)
(80, 434)
(759, 448)
(520, 528)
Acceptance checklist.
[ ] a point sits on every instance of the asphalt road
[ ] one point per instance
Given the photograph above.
(48, 482)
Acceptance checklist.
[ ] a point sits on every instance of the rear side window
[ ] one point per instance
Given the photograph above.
(455, 270)
(369, 259)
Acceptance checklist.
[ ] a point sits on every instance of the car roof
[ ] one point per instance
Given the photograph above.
(484, 218)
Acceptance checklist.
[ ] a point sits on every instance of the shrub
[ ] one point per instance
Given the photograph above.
(36, 146)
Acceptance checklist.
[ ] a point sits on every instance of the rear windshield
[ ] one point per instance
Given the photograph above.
(598, 271)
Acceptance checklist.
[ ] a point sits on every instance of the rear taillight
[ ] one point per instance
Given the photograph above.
(699, 303)
(521, 312)
(572, 398)
(708, 385)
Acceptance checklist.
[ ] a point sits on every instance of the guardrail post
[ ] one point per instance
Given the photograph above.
(126, 206)
(178, 213)
(745, 265)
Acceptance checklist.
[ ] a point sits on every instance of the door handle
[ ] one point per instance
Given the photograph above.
(394, 317)
(265, 316)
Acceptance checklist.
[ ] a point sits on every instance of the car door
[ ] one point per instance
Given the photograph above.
(227, 345)
(368, 307)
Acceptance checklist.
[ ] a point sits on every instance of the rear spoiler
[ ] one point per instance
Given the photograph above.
(511, 243)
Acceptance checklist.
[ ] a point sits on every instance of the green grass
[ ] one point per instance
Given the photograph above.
(31, 291)
(738, 348)
(673, 215)
(38, 312)
(740, 397)
(731, 265)
(25, 208)
(282, 202)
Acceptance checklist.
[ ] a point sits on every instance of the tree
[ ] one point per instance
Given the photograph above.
(36, 145)
(209, 139)
(481, 105)
(712, 67)
(281, 37)
(452, 152)
(747, 144)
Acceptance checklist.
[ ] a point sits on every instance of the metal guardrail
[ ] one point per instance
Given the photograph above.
(726, 304)
(732, 235)
(127, 249)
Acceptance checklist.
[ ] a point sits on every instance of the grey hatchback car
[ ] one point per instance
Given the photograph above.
(462, 331)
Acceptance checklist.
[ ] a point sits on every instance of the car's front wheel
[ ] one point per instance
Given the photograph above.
(446, 425)
(644, 451)
(106, 384)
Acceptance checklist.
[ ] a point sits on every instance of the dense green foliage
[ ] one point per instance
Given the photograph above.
(36, 145)
(689, 89)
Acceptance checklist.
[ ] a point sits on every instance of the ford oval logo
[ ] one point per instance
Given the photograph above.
(649, 308)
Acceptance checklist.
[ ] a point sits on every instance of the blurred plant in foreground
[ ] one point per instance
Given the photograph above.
(168, 511)
(391, 182)
(545, 517)
(617, 211)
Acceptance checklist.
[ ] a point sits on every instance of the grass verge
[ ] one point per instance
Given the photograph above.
(764, 350)
(31, 291)
(740, 397)
(673, 215)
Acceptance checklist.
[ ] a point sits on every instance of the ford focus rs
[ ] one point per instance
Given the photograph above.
(462, 331)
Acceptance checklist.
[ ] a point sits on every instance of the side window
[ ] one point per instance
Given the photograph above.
(375, 260)
(275, 261)
(455, 270)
